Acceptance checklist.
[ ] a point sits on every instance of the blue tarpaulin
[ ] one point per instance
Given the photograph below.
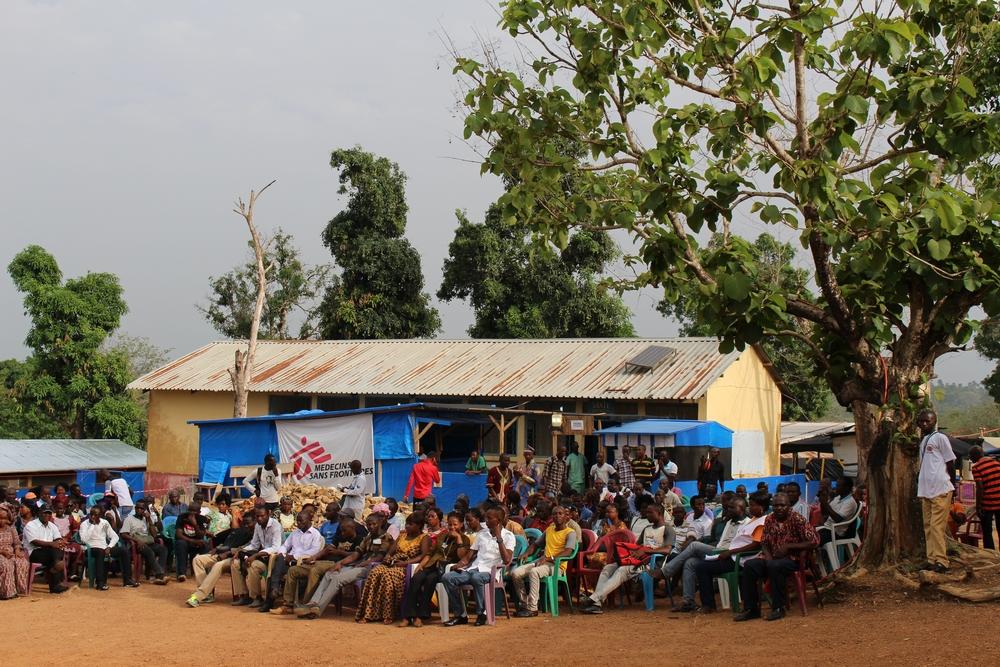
(393, 434)
(686, 432)
(238, 442)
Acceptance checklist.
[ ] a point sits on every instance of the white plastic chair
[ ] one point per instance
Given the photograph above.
(832, 548)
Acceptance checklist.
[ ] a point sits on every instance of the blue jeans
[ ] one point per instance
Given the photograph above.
(453, 582)
(686, 561)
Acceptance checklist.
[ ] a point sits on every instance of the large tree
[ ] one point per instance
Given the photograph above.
(379, 292)
(521, 291)
(852, 123)
(292, 291)
(68, 378)
(805, 396)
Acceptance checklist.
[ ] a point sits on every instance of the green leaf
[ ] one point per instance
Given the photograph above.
(737, 286)
(939, 248)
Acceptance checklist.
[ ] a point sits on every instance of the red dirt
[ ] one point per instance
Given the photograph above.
(151, 624)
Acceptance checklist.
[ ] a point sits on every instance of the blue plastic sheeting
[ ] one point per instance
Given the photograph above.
(394, 474)
(393, 434)
(87, 479)
(690, 488)
(454, 483)
(686, 432)
(241, 443)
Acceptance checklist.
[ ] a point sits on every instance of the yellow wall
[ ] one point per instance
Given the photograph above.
(173, 443)
(746, 398)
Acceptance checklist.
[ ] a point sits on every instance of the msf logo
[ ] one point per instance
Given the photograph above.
(310, 454)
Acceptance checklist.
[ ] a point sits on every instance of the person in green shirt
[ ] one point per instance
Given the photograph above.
(476, 465)
(576, 469)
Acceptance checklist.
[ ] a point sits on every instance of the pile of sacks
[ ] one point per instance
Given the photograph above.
(321, 496)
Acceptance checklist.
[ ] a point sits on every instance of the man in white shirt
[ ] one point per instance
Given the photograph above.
(44, 545)
(119, 487)
(657, 537)
(304, 542)
(935, 484)
(494, 545)
(839, 509)
(266, 483)
(101, 541)
(254, 557)
(140, 529)
(602, 470)
(354, 493)
(799, 505)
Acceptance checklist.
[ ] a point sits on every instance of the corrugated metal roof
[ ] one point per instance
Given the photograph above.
(554, 368)
(23, 456)
(795, 431)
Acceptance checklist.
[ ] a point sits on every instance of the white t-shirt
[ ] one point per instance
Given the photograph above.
(935, 452)
(744, 534)
(602, 472)
(36, 530)
(846, 507)
(120, 488)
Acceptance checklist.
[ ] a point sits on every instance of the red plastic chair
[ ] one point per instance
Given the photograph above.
(577, 567)
(808, 573)
(970, 536)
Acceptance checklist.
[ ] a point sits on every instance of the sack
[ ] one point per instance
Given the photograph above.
(624, 556)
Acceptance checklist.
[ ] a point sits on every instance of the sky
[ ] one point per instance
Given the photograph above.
(128, 129)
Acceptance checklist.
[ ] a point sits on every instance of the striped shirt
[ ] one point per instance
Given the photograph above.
(986, 471)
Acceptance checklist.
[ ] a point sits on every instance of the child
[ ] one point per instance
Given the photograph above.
(68, 525)
(285, 515)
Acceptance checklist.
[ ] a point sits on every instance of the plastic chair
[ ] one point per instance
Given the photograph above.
(532, 534)
(93, 499)
(646, 577)
(584, 572)
(520, 545)
(849, 542)
(730, 597)
(807, 568)
(577, 567)
(970, 536)
(550, 584)
(32, 573)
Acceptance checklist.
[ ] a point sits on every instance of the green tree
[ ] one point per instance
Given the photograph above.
(988, 345)
(292, 288)
(20, 420)
(68, 378)
(853, 124)
(379, 293)
(805, 396)
(520, 291)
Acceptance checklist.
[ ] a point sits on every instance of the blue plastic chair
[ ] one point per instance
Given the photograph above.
(520, 545)
(93, 499)
(532, 534)
(647, 580)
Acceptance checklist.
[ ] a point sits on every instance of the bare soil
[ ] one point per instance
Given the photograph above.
(864, 624)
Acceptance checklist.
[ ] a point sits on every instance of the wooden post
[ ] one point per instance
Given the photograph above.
(501, 434)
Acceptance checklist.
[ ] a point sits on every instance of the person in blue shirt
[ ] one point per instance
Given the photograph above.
(329, 528)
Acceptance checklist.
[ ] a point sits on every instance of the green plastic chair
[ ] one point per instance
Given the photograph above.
(550, 584)
(732, 580)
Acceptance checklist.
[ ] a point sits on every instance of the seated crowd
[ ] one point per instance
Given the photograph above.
(287, 563)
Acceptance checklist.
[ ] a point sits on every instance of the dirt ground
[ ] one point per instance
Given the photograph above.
(152, 625)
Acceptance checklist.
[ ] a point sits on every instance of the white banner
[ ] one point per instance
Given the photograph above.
(322, 449)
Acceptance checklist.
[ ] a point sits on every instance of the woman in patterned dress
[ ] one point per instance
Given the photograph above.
(383, 589)
(14, 566)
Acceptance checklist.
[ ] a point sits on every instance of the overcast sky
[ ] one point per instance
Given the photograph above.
(128, 128)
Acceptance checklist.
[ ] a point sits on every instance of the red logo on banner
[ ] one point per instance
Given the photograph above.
(314, 452)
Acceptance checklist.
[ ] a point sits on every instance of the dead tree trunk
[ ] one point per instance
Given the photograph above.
(242, 370)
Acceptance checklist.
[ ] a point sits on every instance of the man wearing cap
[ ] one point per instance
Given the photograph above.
(44, 545)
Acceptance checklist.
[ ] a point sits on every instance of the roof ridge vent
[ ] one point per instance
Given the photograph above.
(650, 358)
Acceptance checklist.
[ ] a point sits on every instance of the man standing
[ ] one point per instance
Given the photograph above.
(101, 541)
(500, 480)
(935, 484)
(44, 545)
(576, 468)
(266, 483)
(986, 472)
(139, 528)
(666, 470)
(711, 470)
(494, 545)
(623, 468)
(558, 541)
(786, 534)
(526, 475)
(643, 467)
(555, 472)
(423, 477)
(119, 487)
(354, 493)
(602, 470)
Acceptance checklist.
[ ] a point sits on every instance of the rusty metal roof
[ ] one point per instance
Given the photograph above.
(38, 456)
(553, 368)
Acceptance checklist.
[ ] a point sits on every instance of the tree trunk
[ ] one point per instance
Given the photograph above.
(887, 464)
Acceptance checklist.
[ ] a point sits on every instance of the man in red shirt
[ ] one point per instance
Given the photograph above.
(986, 472)
(424, 476)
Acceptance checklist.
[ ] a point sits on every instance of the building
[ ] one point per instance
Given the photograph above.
(28, 463)
(606, 380)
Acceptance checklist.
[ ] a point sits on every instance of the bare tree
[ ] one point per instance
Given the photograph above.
(242, 370)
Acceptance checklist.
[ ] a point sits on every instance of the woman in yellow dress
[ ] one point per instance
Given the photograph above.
(383, 591)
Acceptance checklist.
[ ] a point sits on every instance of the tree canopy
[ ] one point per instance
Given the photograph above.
(68, 379)
(854, 124)
(292, 291)
(805, 396)
(520, 291)
(379, 292)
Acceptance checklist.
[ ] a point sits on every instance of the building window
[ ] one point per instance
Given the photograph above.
(672, 410)
(334, 403)
(283, 405)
